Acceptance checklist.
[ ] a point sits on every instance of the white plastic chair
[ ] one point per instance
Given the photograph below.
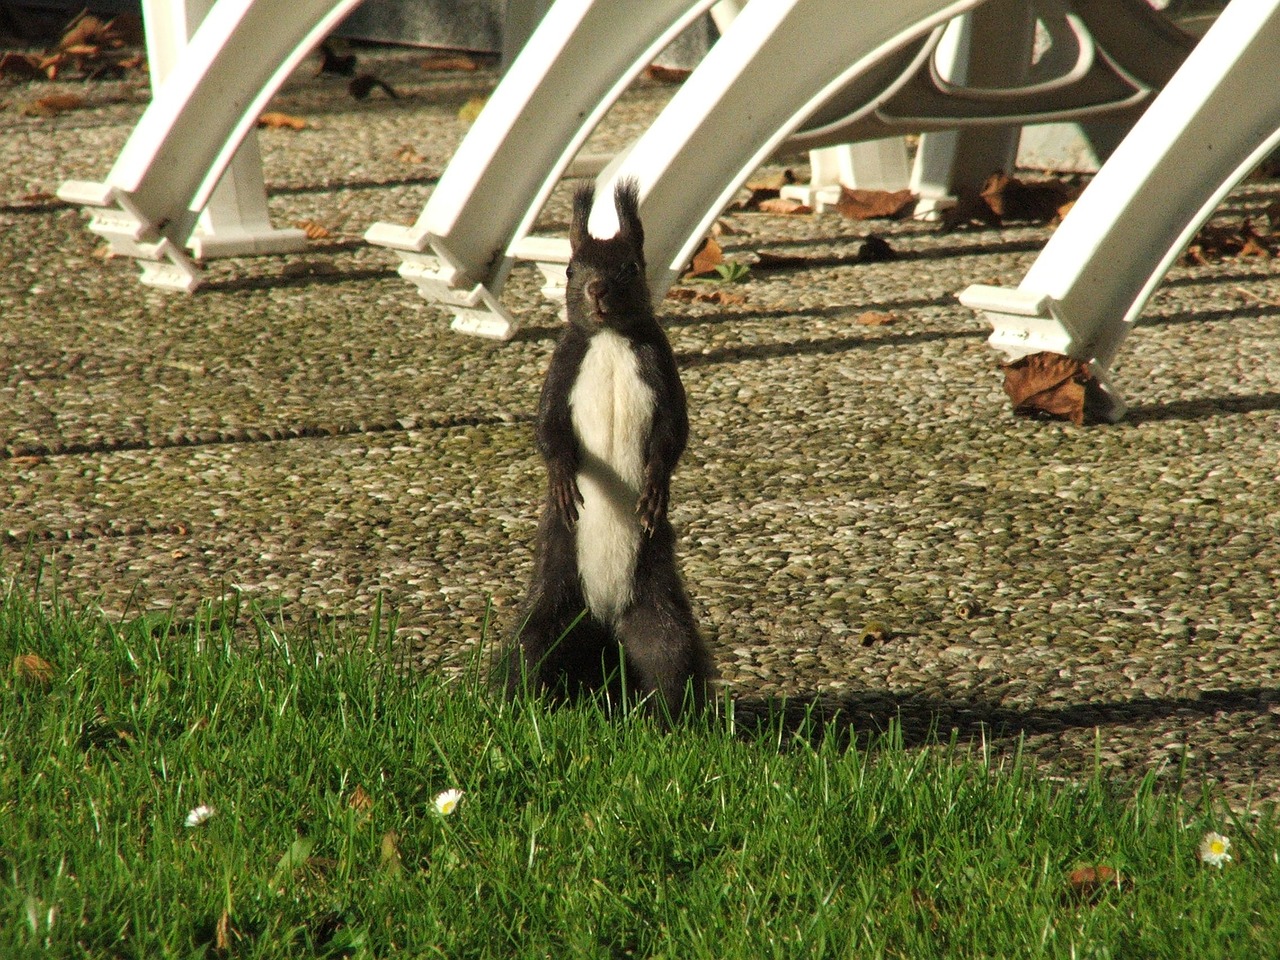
(780, 71)
(1215, 121)
(203, 110)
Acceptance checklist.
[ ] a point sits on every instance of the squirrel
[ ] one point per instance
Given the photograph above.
(607, 610)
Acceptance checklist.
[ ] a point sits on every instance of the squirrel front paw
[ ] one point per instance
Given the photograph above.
(565, 495)
(652, 506)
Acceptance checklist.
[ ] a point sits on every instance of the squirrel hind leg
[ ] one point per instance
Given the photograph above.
(563, 660)
(666, 659)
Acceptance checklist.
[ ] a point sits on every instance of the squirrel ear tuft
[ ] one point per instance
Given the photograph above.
(626, 200)
(583, 199)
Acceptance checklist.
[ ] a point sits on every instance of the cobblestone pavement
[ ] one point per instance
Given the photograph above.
(306, 430)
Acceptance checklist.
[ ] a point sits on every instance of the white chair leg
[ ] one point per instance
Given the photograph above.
(1207, 129)
(870, 165)
(574, 66)
(201, 113)
(990, 47)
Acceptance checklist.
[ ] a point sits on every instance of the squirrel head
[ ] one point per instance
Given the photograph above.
(606, 283)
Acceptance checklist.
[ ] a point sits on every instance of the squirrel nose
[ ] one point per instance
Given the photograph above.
(597, 291)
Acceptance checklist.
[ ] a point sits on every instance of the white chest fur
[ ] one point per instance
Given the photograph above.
(612, 411)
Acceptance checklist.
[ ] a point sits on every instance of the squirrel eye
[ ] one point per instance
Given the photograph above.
(568, 271)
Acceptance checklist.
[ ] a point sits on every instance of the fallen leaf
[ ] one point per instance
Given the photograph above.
(718, 296)
(876, 318)
(667, 74)
(708, 257)
(1011, 199)
(407, 154)
(313, 230)
(33, 668)
(858, 204)
(360, 87)
(27, 460)
(52, 105)
(360, 799)
(222, 932)
(468, 112)
(1051, 386)
(773, 181)
(1088, 883)
(281, 121)
(784, 206)
(88, 31)
(449, 61)
(1215, 242)
(20, 66)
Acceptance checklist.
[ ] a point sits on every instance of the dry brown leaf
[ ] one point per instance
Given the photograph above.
(20, 66)
(1215, 242)
(449, 61)
(667, 74)
(1088, 883)
(1011, 199)
(784, 206)
(272, 120)
(359, 799)
(27, 460)
(876, 318)
(722, 297)
(1049, 385)
(52, 105)
(708, 257)
(33, 668)
(222, 932)
(408, 155)
(313, 230)
(773, 181)
(857, 204)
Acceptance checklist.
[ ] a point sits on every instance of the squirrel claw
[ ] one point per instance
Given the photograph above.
(565, 497)
(652, 508)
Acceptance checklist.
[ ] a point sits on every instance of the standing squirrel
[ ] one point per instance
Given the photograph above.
(607, 609)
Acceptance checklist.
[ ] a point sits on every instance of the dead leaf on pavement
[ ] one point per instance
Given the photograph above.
(1011, 199)
(313, 230)
(719, 296)
(667, 74)
(20, 66)
(1215, 242)
(708, 257)
(281, 121)
(876, 318)
(407, 154)
(1050, 385)
(52, 105)
(449, 61)
(857, 204)
(784, 206)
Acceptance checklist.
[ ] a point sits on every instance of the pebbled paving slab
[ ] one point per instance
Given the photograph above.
(308, 432)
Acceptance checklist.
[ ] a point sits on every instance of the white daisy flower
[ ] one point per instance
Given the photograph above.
(1213, 849)
(447, 801)
(199, 815)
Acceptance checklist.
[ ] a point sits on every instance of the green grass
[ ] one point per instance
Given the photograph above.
(576, 836)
